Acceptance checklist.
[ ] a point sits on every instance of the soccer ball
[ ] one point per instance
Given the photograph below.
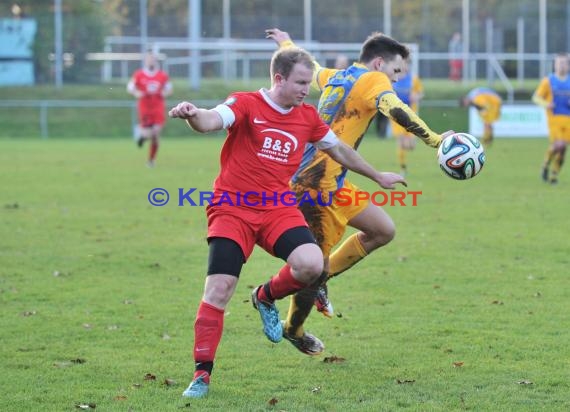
(461, 156)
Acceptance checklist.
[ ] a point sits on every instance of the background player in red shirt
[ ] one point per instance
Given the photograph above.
(150, 85)
(267, 134)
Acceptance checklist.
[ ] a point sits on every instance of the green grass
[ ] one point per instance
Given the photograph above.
(98, 288)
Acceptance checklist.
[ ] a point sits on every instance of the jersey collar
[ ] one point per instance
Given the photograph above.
(271, 103)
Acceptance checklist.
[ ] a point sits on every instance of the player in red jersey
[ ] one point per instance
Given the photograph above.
(150, 85)
(252, 203)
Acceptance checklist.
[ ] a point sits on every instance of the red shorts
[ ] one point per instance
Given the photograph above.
(248, 227)
(151, 118)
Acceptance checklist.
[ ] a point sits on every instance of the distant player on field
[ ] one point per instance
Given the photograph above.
(410, 90)
(267, 131)
(349, 101)
(150, 85)
(553, 93)
(488, 104)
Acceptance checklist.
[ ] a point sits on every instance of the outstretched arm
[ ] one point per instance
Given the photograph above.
(349, 158)
(283, 40)
(391, 106)
(201, 120)
(280, 37)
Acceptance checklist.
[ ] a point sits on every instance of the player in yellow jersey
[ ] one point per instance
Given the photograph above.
(488, 104)
(553, 93)
(349, 100)
(410, 90)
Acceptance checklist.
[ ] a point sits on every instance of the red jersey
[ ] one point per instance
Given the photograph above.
(152, 84)
(264, 146)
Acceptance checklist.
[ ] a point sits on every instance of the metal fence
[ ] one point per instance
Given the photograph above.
(517, 38)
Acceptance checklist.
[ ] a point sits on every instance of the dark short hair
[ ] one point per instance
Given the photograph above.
(380, 45)
(284, 60)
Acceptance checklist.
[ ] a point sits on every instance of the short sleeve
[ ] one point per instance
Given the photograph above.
(232, 110)
(329, 140)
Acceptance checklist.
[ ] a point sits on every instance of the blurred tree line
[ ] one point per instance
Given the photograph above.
(429, 23)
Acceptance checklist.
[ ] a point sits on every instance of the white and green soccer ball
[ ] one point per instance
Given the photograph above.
(461, 156)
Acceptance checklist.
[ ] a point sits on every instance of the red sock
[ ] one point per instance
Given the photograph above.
(153, 148)
(207, 332)
(281, 285)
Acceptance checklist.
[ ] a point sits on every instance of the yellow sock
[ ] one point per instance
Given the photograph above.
(487, 138)
(402, 155)
(348, 254)
(548, 156)
(556, 165)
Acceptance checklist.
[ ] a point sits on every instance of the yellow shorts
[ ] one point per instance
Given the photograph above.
(559, 128)
(328, 223)
(492, 107)
(491, 115)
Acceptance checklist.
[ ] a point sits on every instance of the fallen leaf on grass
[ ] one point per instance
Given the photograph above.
(272, 401)
(120, 398)
(149, 377)
(400, 382)
(458, 364)
(29, 313)
(31, 349)
(525, 382)
(85, 406)
(65, 364)
(333, 359)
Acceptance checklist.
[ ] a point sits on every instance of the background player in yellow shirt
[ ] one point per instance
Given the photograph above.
(349, 100)
(410, 90)
(553, 93)
(488, 104)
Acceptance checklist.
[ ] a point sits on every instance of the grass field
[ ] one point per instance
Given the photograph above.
(467, 309)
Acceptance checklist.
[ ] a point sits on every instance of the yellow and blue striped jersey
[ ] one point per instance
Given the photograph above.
(348, 103)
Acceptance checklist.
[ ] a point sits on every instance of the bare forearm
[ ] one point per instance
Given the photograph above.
(352, 160)
(205, 121)
(201, 120)
(349, 158)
